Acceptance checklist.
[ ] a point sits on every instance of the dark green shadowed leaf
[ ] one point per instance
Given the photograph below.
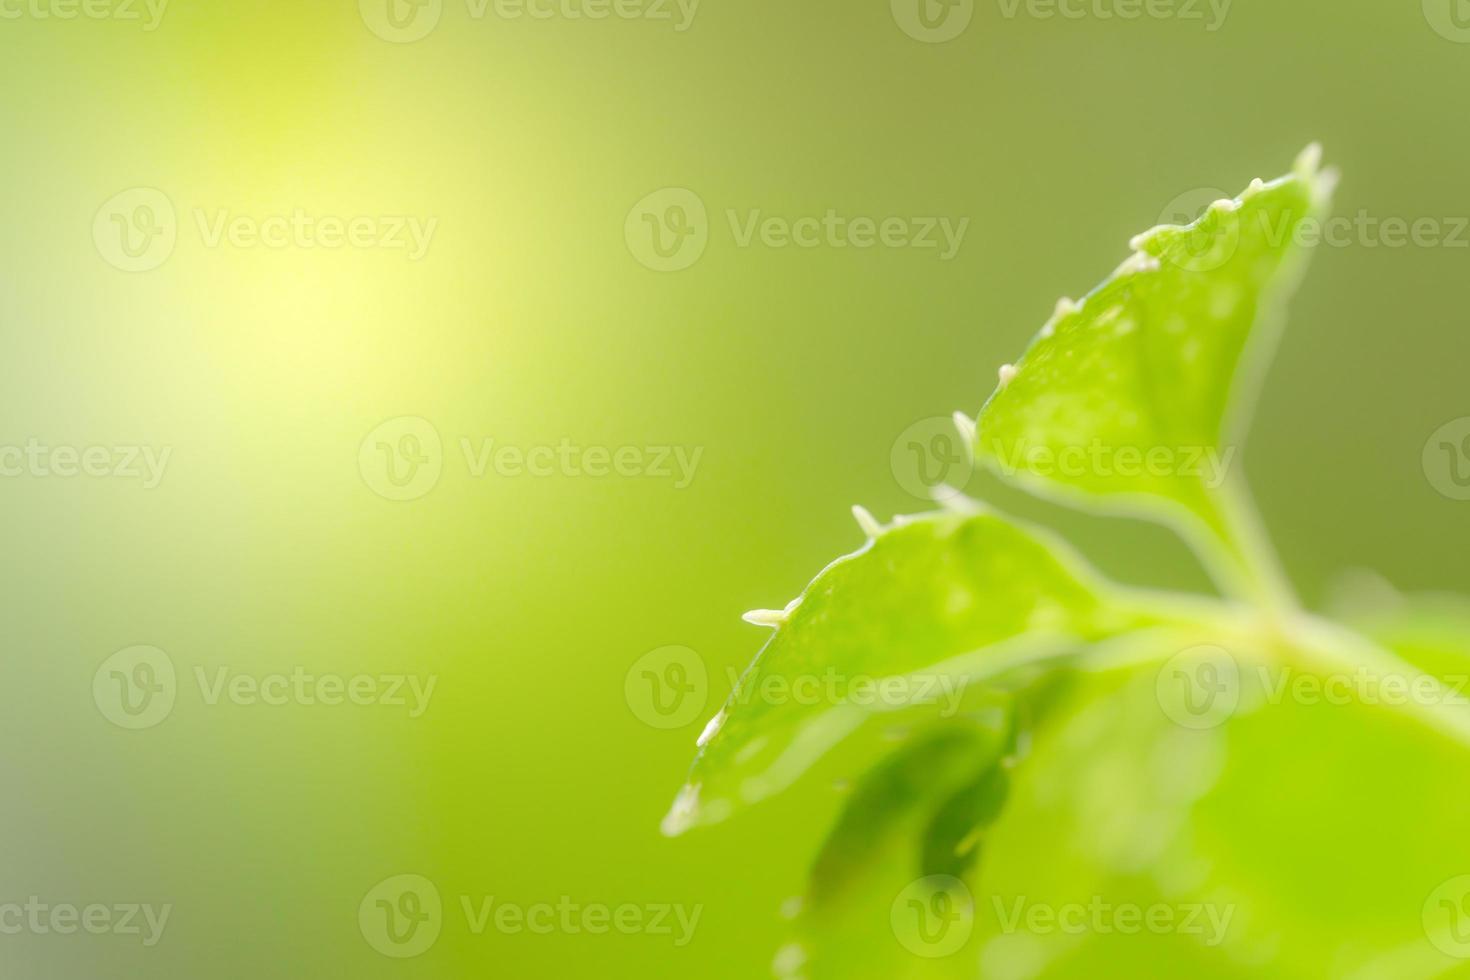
(954, 842)
(872, 885)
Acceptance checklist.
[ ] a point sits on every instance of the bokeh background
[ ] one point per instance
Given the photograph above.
(534, 318)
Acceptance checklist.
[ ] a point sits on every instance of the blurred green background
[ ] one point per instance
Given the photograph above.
(534, 319)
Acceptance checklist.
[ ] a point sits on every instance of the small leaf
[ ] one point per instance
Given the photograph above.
(908, 790)
(953, 843)
(880, 852)
(908, 623)
(1124, 396)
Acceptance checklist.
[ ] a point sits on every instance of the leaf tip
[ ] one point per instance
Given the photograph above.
(1309, 161)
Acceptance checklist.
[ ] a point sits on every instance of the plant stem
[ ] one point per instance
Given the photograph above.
(1237, 551)
(1341, 647)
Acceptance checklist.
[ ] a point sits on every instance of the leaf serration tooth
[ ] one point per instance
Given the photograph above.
(711, 729)
(866, 521)
(681, 815)
(965, 426)
(954, 501)
(769, 618)
(1138, 262)
(1326, 184)
(1309, 161)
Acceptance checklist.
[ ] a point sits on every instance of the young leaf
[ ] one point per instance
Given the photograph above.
(913, 810)
(1124, 396)
(925, 608)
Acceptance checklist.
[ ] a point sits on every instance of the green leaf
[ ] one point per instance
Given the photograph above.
(1432, 632)
(927, 607)
(904, 825)
(1125, 398)
(952, 845)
